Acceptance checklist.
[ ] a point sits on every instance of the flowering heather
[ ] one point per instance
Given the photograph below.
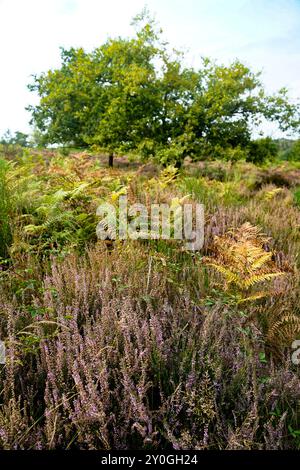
(141, 344)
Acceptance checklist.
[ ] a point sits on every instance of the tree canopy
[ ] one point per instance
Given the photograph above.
(132, 94)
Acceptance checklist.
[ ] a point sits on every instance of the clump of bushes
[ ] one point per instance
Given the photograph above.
(293, 152)
(261, 150)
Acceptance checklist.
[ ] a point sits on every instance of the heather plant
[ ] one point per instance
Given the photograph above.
(141, 344)
(137, 370)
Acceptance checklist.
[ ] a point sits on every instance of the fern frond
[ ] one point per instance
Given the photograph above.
(259, 295)
(229, 275)
(241, 258)
(260, 278)
(284, 330)
(261, 260)
(269, 195)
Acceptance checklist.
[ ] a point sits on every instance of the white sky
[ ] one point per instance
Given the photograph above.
(264, 34)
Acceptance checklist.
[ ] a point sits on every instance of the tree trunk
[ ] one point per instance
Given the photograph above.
(111, 160)
(178, 164)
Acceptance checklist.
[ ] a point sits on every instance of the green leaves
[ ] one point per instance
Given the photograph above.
(5, 210)
(130, 92)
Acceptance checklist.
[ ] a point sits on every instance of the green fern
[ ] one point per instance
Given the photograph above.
(5, 211)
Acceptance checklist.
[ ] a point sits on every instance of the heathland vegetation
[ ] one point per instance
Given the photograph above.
(142, 344)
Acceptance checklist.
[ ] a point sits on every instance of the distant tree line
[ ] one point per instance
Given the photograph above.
(18, 138)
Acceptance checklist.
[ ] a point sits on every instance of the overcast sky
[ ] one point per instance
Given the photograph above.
(264, 34)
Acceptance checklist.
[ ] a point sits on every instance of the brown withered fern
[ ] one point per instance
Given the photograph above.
(283, 330)
(241, 258)
(283, 321)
